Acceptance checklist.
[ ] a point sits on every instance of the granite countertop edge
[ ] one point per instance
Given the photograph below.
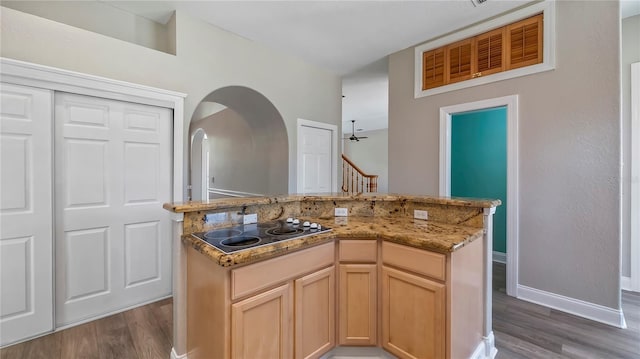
(226, 203)
(450, 239)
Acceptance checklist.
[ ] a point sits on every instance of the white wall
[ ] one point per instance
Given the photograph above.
(206, 59)
(100, 17)
(569, 139)
(371, 155)
(630, 54)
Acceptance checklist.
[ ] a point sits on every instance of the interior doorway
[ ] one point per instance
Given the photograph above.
(199, 166)
(317, 157)
(479, 164)
(510, 104)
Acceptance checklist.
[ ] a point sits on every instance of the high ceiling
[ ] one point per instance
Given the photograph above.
(340, 36)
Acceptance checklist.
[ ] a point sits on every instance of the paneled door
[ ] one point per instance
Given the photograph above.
(26, 255)
(112, 174)
(316, 152)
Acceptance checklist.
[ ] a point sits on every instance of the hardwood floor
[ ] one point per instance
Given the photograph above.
(139, 333)
(527, 330)
(522, 330)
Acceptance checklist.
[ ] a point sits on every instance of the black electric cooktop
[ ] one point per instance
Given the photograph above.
(246, 236)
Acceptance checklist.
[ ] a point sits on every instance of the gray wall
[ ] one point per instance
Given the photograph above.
(240, 158)
(569, 139)
(371, 155)
(207, 58)
(630, 54)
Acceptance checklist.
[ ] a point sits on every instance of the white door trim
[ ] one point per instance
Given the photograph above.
(511, 102)
(635, 178)
(334, 149)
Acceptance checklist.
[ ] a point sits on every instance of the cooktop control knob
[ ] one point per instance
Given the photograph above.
(289, 220)
(306, 224)
(296, 221)
(314, 225)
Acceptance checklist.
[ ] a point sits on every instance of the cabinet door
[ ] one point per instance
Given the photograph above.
(413, 315)
(433, 71)
(26, 244)
(358, 304)
(261, 326)
(460, 61)
(315, 313)
(490, 54)
(524, 41)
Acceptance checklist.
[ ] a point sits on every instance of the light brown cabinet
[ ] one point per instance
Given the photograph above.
(433, 68)
(506, 48)
(358, 304)
(314, 314)
(358, 292)
(460, 59)
(413, 315)
(489, 52)
(261, 326)
(413, 302)
(524, 41)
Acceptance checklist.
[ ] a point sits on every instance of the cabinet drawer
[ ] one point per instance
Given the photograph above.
(255, 277)
(416, 260)
(353, 250)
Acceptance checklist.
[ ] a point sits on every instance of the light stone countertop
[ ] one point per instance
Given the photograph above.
(216, 204)
(428, 235)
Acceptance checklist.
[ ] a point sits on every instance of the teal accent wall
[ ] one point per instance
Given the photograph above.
(479, 162)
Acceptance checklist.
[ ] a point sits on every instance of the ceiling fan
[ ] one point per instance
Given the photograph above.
(353, 136)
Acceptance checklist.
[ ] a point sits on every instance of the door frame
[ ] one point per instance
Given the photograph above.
(634, 280)
(511, 103)
(199, 139)
(334, 149)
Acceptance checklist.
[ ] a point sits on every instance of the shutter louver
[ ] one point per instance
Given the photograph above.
(525, 40)
(489, 52)
(460, 61)
(433, 71)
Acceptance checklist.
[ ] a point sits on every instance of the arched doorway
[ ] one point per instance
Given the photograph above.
(247, 144)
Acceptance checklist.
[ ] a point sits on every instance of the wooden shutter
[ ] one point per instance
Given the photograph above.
(524, 39)
(433, 68)
(490, 52)
(460, 61)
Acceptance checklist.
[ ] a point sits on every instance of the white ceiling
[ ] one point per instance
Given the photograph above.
(340, 36)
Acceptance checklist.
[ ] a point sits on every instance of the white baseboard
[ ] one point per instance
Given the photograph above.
(174, 355)
(596, 312)
(348, 352)
(500, 257)
(625, 283)
(486, 349)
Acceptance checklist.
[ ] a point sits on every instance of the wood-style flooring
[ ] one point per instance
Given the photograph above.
(522, 330)
(527, 330)
(140, 333)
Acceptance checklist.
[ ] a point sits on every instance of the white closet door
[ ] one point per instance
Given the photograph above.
(26, 256)
(316, 159)
(112, 173)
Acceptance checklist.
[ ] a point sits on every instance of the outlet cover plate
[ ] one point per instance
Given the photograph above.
(418, 214)
(250, 218)
(341, 212)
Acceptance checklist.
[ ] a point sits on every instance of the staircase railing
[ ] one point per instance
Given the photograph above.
(354, 180)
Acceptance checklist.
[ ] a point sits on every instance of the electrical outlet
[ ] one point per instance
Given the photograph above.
(250, 218)
(418, 214)
(214, 217)
(341, 212)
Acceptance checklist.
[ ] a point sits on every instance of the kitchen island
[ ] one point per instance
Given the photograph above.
(379, 278)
